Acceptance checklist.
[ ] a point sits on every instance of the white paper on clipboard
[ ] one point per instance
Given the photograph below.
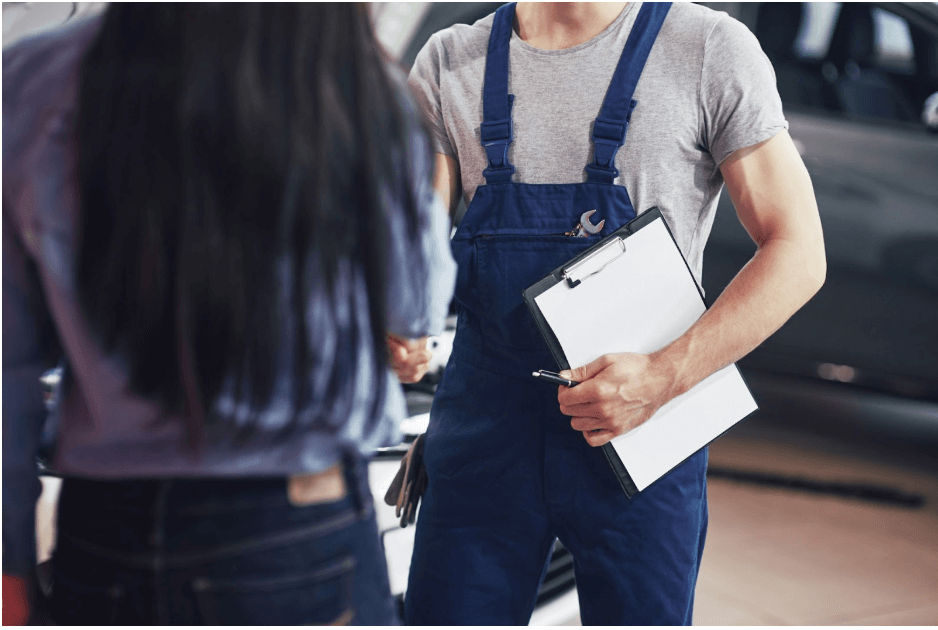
(640, 302)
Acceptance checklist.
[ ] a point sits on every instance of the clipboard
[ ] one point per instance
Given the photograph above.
(634, 292)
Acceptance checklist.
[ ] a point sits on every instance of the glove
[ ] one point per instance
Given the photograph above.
(409, 483)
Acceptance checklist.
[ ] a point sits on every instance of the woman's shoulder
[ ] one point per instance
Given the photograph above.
(40, 85)
(35, 67)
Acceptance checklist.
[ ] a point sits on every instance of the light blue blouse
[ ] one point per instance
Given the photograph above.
(105, 431)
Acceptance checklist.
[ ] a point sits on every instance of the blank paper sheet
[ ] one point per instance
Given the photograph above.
(640, 302)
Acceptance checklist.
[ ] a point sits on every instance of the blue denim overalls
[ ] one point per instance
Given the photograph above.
(507, 473)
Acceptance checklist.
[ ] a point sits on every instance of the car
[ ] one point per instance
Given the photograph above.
(857, 82)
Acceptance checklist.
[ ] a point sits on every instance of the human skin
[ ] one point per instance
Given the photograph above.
(774, 199)
(409, 358)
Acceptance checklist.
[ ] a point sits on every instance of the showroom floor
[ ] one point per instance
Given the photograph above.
(779, 556)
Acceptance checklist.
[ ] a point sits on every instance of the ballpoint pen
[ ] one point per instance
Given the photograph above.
(553, 377)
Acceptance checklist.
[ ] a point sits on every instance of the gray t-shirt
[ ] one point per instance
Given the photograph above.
(707, 90)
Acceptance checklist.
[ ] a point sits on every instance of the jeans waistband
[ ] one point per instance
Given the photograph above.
(187, 520)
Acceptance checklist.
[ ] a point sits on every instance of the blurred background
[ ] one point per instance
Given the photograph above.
(824, 505)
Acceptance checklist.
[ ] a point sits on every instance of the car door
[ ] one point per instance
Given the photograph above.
(853, 86)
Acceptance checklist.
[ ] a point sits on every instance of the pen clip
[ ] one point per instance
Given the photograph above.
(594, 262)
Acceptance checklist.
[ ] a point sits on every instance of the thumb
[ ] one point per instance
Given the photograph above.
(398, 352)
(588, 371)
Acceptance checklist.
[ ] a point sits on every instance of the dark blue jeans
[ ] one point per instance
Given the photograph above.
(220, 552)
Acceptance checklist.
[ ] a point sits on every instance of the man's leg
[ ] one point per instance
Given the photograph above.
(636, 560)
(483, 536)
(475, 562)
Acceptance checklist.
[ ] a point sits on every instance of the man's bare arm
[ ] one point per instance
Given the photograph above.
(774, 199)
(775, 202)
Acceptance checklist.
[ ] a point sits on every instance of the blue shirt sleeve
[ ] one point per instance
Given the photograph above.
(421, 270)
(24, 361)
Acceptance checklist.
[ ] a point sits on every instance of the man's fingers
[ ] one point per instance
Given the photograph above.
(401, 357)
(398, 353)
(410, 344)
(587, 410)
(598, 438)
(588, 371)
(412, 359)
(582, 394)
(586, 423)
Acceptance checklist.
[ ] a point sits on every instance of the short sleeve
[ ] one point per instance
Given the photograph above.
(739, 97)
(424, 83)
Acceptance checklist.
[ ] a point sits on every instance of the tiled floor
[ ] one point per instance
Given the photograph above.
(778, 556)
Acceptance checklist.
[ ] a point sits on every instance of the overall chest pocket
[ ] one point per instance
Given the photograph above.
(507, 264)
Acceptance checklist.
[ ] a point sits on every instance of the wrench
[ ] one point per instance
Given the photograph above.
(585, 228)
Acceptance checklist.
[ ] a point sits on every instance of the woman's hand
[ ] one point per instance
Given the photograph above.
(409, 357)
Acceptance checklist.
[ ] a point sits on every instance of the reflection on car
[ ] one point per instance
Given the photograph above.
(855, 80)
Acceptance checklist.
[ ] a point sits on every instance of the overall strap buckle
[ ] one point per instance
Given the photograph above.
(496, 131)
(613, 121)
(608, 136)
(496, 135)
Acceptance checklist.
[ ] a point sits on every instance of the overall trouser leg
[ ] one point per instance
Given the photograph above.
(636, 560)
(483, 537)
(506, 471)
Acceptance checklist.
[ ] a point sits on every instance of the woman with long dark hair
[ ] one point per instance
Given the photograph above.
(213, 215)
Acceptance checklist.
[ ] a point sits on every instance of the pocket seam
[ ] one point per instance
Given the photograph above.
(345, 564)
(342, 570)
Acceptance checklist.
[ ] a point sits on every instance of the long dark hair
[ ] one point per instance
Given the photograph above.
(217, 146)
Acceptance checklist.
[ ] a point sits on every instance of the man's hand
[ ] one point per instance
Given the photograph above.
(775, 202)
(617, 392)
(409, 357)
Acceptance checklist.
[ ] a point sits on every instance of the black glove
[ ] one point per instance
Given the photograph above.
(409, 483)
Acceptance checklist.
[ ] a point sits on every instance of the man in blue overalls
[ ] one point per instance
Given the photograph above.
(525, 99)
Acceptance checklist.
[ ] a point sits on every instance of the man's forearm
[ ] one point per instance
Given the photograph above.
(781, 277)
(774, 200)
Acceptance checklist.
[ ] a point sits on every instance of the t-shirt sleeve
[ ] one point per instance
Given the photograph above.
(424, 82)
(739, 96)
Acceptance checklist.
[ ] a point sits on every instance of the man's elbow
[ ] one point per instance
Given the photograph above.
(815, 267)
(804, 257)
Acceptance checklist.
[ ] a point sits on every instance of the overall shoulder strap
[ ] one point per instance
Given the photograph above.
(610, 127)
(496, 131)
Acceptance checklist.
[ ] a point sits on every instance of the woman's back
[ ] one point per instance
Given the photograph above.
(215, 322)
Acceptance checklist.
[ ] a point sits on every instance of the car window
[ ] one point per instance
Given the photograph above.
(893, 42)
(853, 60)
(816, 30)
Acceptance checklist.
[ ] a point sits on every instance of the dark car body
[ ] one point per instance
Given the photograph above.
(862, 355)
(854, 103)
